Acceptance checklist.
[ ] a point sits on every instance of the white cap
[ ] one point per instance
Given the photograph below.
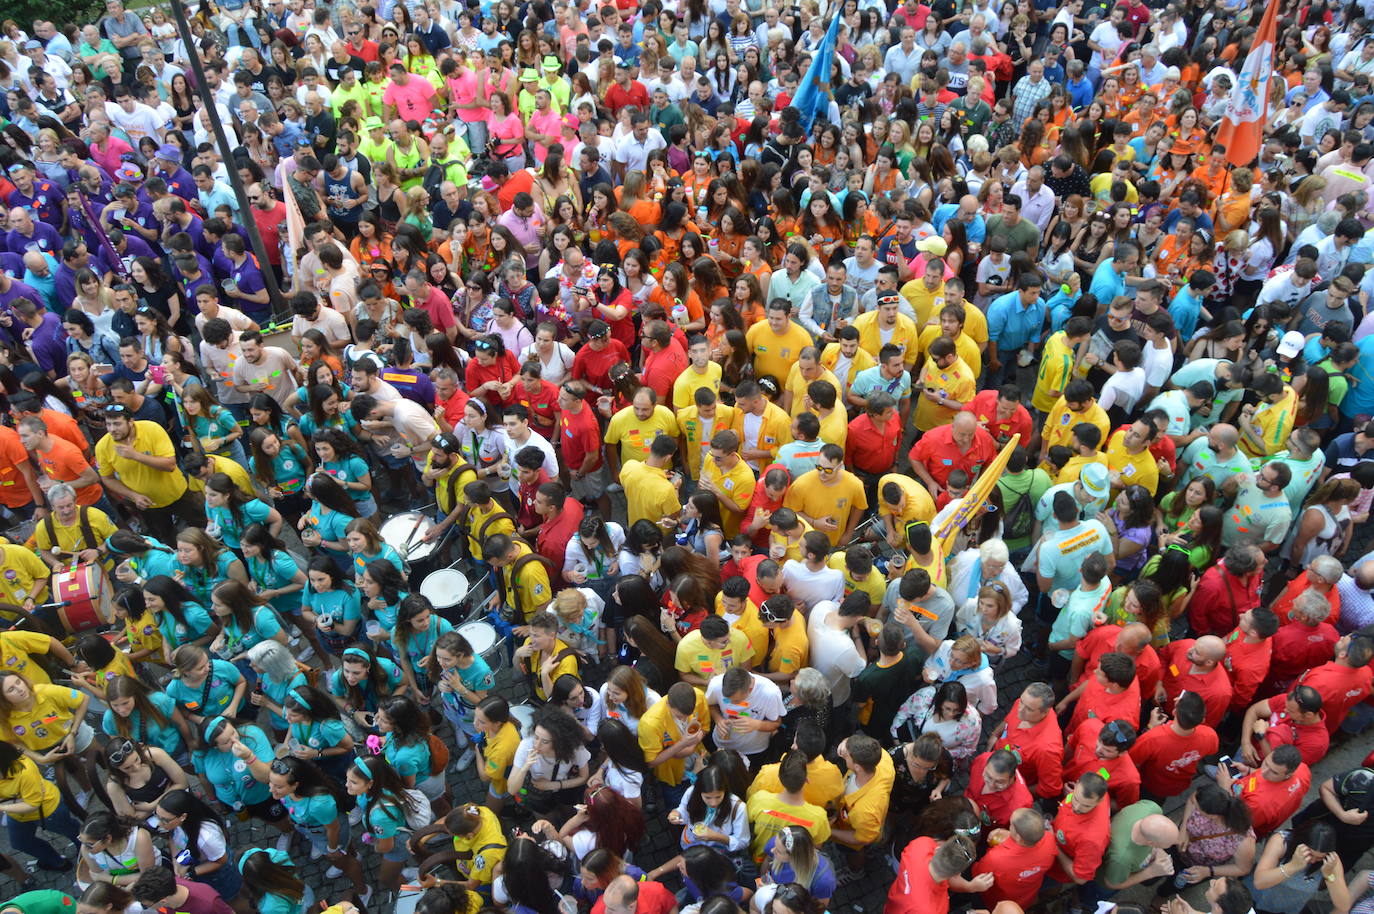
(1291, 344)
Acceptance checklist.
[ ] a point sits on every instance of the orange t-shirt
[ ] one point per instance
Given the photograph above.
(63, 463)
(14, 492)
(65, 427)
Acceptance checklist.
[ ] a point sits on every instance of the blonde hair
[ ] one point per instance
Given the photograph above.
(570, 604)
(967, 644)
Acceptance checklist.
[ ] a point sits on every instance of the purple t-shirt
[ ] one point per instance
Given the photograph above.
(47, 343)
(44, 236)
(202, 899)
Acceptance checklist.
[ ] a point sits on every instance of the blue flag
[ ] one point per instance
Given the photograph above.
(811, 99)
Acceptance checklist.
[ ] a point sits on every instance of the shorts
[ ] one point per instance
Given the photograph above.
(318, 835)
(268, 810)
(593, 485)
(399, 852)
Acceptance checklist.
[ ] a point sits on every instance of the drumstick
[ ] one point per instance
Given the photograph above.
(405, 547)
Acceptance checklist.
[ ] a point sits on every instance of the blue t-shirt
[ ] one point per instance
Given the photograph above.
(419, 645)
(270, 575)
(312, 812)
(148, 731)
(318, 734)
(331, 525)
(265, 626)
(350, 469)
(1359, 399)
(384, 820)
(175, 634)
(233, 782)
(1186, 310)
(277, 691)
(255, 511)
(154, 562)
(202, 702)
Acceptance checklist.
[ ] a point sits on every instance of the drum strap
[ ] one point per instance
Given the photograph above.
(515, 569)
(87, 531)
(451, 483)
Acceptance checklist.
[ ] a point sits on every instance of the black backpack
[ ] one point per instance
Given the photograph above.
(1019, 519)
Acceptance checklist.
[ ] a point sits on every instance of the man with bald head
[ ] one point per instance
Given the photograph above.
(1139, 848)
(966, 212)
(1133, 640)
(1196, 666)
(26, 235)
(1217, 457)
(625, 895)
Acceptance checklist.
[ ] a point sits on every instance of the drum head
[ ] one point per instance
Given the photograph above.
(408, 528)
(445, 588)
(481, 635)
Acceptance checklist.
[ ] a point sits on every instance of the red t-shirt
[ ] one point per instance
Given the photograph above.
(996, 808)
(524, 515)
(579, 434)
(1341, 688)
(661, 369)
(595, 367)
(618, 97)
(1283, 606)
(759, 501)
(543, 405)
(1271, 803)
(1247, 665)
(521, 181)
(938, 453)
(915, 891)
(1123, 780)
(453, 407)
(1214, 686)
(653, 899)
(984, 406)
(1018, 870)
(554, 535)
(1102, 640)
(870, 448)
(1312, 740)
(1299, 648)
(269, 222)
(1041, 748)
(1096, 703)
(504, 369)
(1082, 838)
(1167, 761)
(440, 310)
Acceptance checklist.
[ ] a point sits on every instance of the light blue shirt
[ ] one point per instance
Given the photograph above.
(1359, 400)
(871, 379)
(1107, 283)
(977, 230)
(1012, 325)
(1186, 310)
(218, 195)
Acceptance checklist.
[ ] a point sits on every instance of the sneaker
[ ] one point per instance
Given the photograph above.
(355, 816)
(316, 853)
(284, 844)
(365, 897)
(465, 760)
(333, 873)
(306, 653)
(64, 867)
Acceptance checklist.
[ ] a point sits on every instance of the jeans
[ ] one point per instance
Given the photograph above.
(477, 136)
(24, 835)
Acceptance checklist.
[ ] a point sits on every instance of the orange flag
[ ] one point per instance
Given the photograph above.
(1241, 126)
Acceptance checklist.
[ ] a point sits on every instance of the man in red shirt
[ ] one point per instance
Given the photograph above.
(625, 895)
(927, 871)
(664, 359)
(579, 440)
(997, 788)
(1345, 681)
(768, 497)
(1018, 860)
(1321, 575)
(269, 215)
(764, 576)
(1082, 829)
(626, 91)
(961, 445)
(508, 185)
(426, 295)
(449, 398)
(1248, 649)
(870, 447)
(593, 361)
(1226, 590)
(531, 476)
(1111, 692)
(1305, 643)
(1033, 733)
(1195, 666)
(1168, 752)
(1273, 791)
(1104, 747)
(1132, 640)
(561, 518)
(1294, 719)
(1001, 413)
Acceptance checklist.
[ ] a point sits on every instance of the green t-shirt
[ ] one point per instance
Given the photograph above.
(1012, 486)
(1336, 381)
(43, 901)
(1125, 857)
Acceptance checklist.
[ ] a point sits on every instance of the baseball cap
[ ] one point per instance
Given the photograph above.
(32, 44)
(1291, 344)
(933, 245)
(571, 122)
(168, 152)
(1094, 479)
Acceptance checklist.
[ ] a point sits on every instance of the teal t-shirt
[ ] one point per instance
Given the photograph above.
(222, 680)
(409, 760)
(154, 562)
(289, 467)
(315, 811)
(384, 820)
(175, 633)
(332, 526)
(269, 575)
(338, 686)
(318, 734)
(276, 691)
(343, 605)
(219, 424)
(350, 469)
(419, 645)
(43, 901)
(165, 736)
(386, 616)
(233, 782)
(201, 581)
(361, 559)
(1076, 617)
(255, 511)
(265, 626)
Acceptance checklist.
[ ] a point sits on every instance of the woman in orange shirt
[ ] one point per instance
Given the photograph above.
(1110, 97)
(372, 245)
(671, 229)
(882, 176)
(1130, 87)
(748, 299)
(859, 219)
(698, 179)
(628, 233)
(723, 316)
(827, 144)
(770, 247)
(675, 288)
(635, 199)
(1233, 206)
(1184, 128)
(727, 242)
(821, 225)
(707, 285)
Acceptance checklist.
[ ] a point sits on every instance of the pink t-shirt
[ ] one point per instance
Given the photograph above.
(411, 101)
(463, 91)
(549, 124)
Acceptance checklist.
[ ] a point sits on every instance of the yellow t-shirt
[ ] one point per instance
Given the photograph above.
(798, 384)
(768, 815)
(774, 430)
(864, 809)
(956, 382)
(499, 754)
(16, 649)
(1056, 370)
(26, 784)
(738, 485)
(690, 381)
(775, 354)
(151, 439)
(20, 569)
(919, 505)
(824, 781)
(749, 624)
(566, 666)
(975, 324)
(835, 426)
(925, 302)
(696, 433)
(50, 719)
(1074, 468)
(1275, 421)
(648, 493)
(71, 539)
(480, 524)
(935, 567)
(144, 635)
(528, 589)
(231, 469)
(809, 496)
(791, 647)
(791, 548)
(659, 730)
(448, 492)
(634, 435)
(1060, 422)
(830, 358)
(1135, 470)
(964, 347)
(903, 334)
(874, 585)
(481, 851)
(695, 656)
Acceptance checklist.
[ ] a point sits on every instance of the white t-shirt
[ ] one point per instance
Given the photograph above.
(764, 703)
(1123, 389)
(1158, 364)
(559, 366)
(535, 439)
(1105, 35)
(329, 322)
(812, 587)
(624, 782)
(545, 770)
(833, 651)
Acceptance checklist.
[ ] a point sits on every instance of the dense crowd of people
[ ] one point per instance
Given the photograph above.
(677, 438)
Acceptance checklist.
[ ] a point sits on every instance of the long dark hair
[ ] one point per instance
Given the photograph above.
(376, 674)
(310, 701)
(327, 491)
(183, 802)
(392, 582)
(711, 779)
(264, 876)
(173, 594)
(621, 746)
(222, 484)
(260, 536)
(527, 869)
(125, 686)
(409, 724)
(387, 785)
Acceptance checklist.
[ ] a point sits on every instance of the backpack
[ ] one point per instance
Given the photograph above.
(435, 176)
(88, 537)
(423, 814)
(1019, 519)
(438, 756)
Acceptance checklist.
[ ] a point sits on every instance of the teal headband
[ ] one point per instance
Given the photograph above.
(300, 699)
(359, 653)
(278, 857)
(211, 726)
(360, 764)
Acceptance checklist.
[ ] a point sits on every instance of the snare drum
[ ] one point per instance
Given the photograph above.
(86, 591)
(446, 589)
(485, 642)
(523, 717)
(405, 533)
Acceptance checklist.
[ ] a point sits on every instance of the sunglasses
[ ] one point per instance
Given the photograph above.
(124, 749)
